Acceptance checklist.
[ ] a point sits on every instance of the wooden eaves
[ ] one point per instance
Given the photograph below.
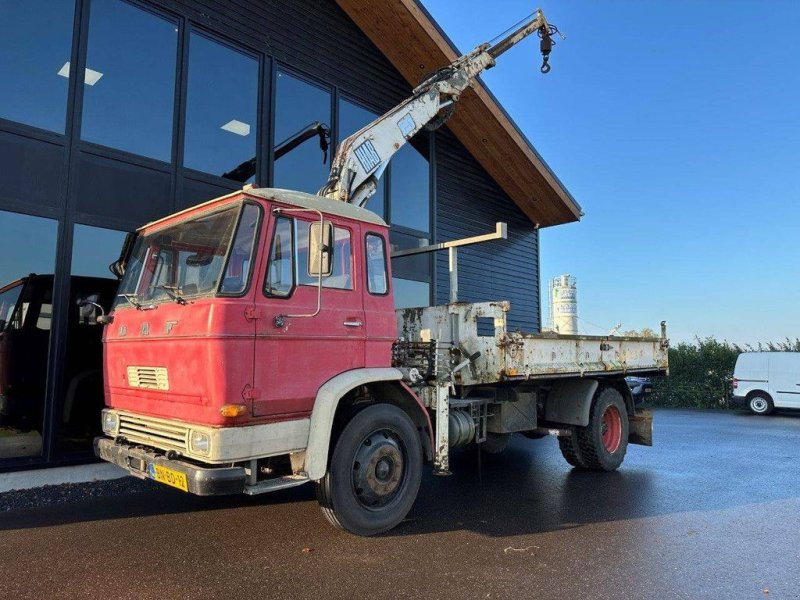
(407, 35)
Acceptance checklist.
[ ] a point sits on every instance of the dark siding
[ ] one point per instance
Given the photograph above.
(470, 203)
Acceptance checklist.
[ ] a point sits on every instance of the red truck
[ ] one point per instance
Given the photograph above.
(254, 346)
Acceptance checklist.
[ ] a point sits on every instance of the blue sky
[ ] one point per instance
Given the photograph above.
(676, 126)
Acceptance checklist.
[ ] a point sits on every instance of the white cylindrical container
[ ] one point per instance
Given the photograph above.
(564, 300)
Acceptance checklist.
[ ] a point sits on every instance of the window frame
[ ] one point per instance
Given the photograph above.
(184, 61)
(269, 259)
(385, 264)
(253, 251)
(351, 234)
(181, 23)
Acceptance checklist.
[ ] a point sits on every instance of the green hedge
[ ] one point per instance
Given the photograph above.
(700, 372)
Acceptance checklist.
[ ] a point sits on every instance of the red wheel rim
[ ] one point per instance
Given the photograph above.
(611, 429)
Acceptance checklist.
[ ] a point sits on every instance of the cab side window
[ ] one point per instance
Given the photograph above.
(279, 281)
(341, 277)
(376, 264)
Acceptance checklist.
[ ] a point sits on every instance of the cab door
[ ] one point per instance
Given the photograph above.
(304, 337)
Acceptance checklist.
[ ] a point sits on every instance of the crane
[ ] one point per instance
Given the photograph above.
(362, 158)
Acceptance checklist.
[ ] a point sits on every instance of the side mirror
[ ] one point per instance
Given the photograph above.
(320, 249)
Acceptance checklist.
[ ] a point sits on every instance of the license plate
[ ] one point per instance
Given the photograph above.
(647, 390)
(168, 476)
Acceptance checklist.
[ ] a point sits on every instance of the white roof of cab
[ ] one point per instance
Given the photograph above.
(294, 198)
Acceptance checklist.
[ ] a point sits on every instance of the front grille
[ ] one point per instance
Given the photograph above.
(152, 378)
(154, 432)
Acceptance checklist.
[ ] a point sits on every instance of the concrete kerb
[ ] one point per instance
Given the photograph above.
(25, 480)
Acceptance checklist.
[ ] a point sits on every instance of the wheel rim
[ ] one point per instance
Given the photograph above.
(378, 469)
(611, 429)
(758, 404)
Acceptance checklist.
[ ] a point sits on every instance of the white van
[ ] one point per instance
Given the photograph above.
(763, 381)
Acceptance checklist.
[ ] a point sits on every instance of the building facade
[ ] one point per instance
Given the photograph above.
(116, 112)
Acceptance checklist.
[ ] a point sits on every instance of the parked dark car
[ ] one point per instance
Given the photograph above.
(26, 307)
(641, 387)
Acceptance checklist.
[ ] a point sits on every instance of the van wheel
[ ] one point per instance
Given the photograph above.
(375, 472)
(760, 403)
(604, 441)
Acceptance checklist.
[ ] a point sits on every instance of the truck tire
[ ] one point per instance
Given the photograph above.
(760, 403)
(604, 441)
(375, 472)
(571, 451)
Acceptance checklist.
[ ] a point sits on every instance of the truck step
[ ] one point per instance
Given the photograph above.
(273, 485)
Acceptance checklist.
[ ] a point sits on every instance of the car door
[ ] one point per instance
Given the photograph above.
(305, 337)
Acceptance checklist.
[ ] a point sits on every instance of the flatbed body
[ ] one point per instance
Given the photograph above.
(479, 330)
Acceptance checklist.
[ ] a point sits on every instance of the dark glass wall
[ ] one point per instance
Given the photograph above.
(133, 109)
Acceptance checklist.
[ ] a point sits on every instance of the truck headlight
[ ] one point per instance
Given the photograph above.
(199, 442)
(110, 423)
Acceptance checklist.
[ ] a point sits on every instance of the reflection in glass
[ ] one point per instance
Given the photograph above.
(408, 294)
(353, 117)
(26, 302)
(414, 266)
(410, 186)
(92, 291)
(129, 105)
(221, 105)
(93, 249)
(297, 105)
(31, 91)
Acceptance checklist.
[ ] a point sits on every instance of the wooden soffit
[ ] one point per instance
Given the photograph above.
(413, 43)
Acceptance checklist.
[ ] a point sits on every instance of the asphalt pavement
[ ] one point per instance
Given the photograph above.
(711, 511)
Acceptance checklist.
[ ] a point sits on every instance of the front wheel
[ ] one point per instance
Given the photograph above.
(603, 442)
(375, 472)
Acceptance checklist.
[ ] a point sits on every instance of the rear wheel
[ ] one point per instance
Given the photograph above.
(570, 449)
(375, 472)
(603, 442)
(760, 403)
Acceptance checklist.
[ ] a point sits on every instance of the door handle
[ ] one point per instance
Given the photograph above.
(353, 323)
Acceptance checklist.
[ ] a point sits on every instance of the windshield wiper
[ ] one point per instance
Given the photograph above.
(133, 300)
(173, 292)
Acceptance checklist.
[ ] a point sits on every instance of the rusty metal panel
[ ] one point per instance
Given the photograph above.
(518, 357)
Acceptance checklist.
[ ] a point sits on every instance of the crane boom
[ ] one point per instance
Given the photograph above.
(362, 158)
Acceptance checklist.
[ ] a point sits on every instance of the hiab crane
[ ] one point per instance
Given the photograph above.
(254, 345)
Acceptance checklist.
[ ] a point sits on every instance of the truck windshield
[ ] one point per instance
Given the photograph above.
(188, 260)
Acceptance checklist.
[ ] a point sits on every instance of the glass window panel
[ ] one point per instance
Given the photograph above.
(35, 46)
(27, 246)
(341, 276)
(415, 266)
(280, 271)
(353, 117)
(297, 105)
(128, 101)
(376, 265)
(410, 189)
(408, 294)
(93, 249)
(221, 108)
(241, 253)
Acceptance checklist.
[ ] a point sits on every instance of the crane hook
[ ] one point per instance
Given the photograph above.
(545, 68)
(546, 44)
